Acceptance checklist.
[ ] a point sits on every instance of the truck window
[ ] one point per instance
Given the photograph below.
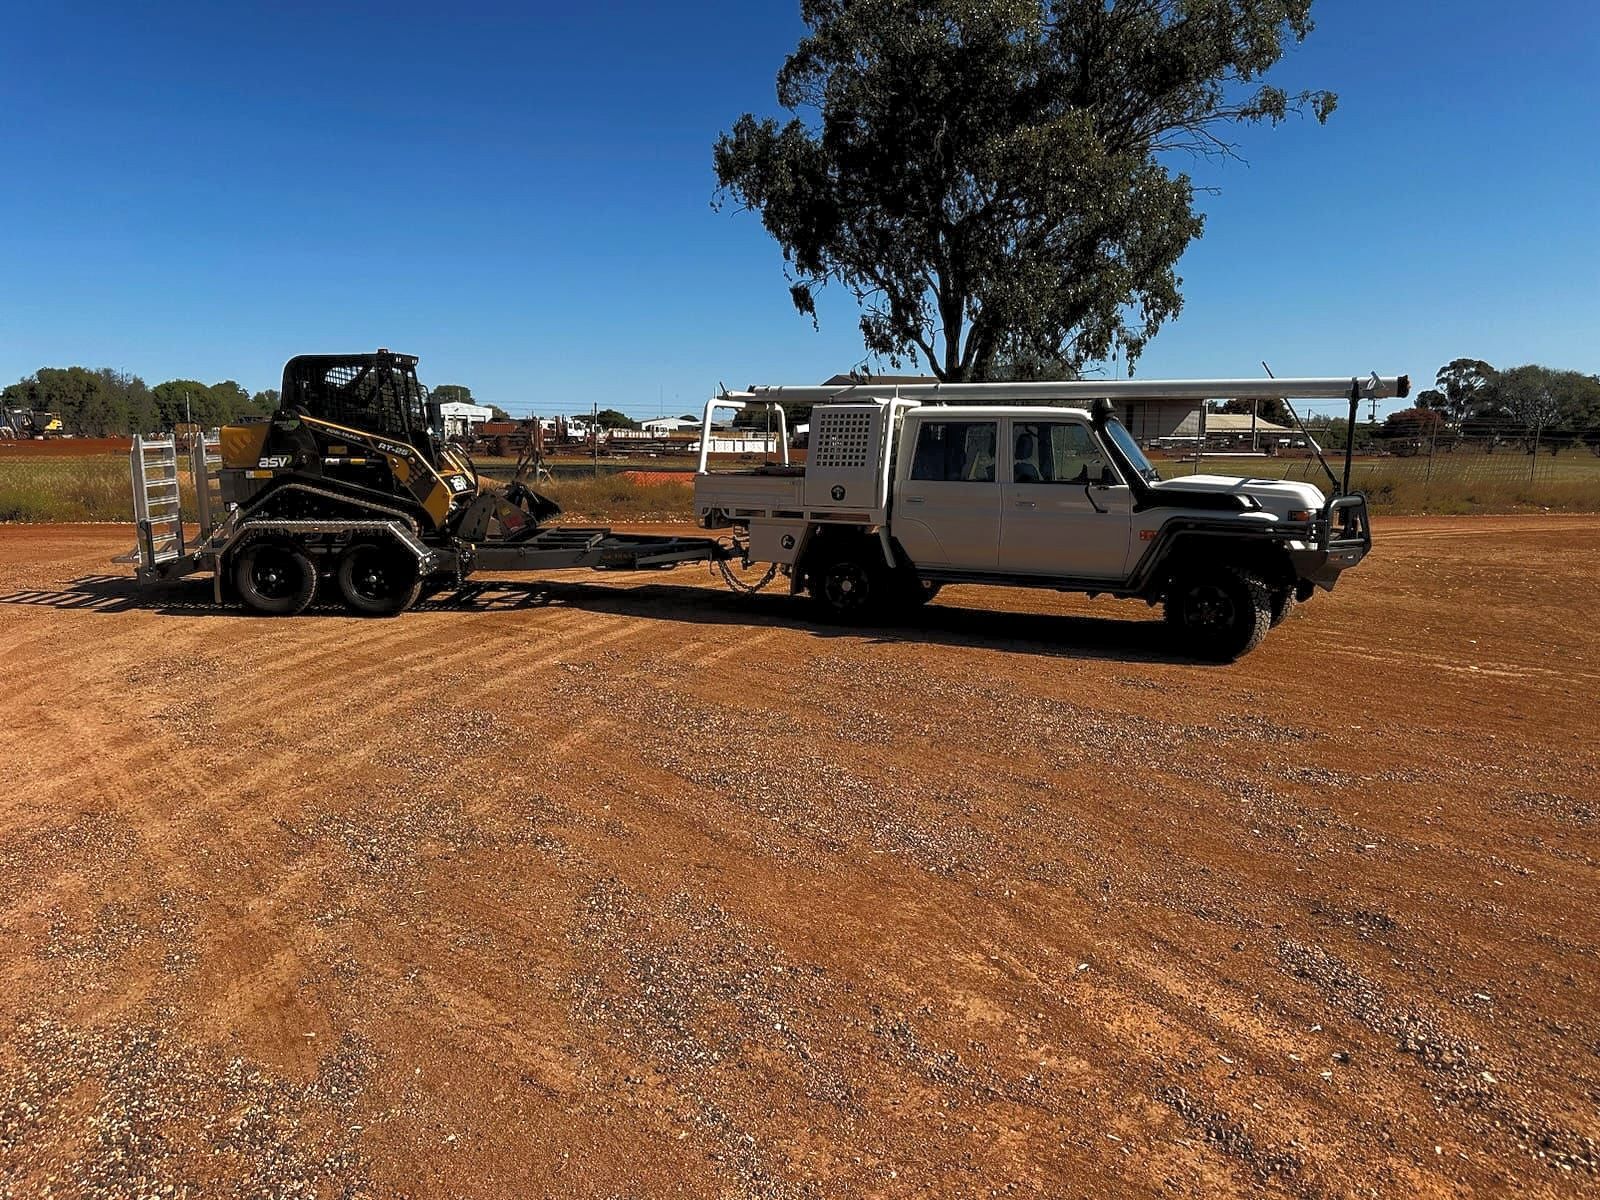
(955, 451)
(1055, 452)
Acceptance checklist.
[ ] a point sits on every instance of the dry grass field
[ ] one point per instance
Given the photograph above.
(615, 886)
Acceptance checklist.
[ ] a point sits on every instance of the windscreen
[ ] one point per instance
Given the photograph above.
(1129, 445)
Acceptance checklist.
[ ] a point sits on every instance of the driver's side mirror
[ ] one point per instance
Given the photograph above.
(1108, 475)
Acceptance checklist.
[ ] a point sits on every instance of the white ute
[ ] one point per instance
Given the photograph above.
(908, 487)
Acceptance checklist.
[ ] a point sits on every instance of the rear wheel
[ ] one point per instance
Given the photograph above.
(849, 583)
(378, 580)
(275, 578)
(1219, 613)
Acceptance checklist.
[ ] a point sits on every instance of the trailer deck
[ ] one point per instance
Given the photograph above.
(164, 551)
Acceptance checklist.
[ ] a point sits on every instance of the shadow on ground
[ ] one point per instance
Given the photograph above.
(943, 623)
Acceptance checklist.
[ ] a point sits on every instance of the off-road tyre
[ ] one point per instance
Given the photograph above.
(1219, 613)
(275, 579)
(849, 582)
(1283, 605)
(378, 579)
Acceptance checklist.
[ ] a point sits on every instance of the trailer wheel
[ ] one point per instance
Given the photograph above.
(378, 580)
(1219, 613)
(275, 578)
(849, 584)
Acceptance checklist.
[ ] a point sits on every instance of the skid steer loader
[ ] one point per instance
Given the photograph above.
(350, 486)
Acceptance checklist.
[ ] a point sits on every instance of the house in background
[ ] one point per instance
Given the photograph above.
(1222, 430)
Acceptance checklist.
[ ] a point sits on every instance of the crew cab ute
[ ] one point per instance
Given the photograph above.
(907, 488)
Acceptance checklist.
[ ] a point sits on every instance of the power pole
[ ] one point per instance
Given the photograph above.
(594, 433)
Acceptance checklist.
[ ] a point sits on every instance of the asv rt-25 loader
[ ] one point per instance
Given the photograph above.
(350, 490)
(909, 487)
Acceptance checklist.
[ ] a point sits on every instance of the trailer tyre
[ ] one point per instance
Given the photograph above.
(849, 584)
(1219, 613)
(275, 578)
(378, 580)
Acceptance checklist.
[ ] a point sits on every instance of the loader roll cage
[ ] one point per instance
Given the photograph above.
(378, 393)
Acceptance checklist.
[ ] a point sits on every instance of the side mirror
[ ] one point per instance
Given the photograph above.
(1108, 476)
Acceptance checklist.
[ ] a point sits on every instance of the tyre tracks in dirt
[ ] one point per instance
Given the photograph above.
(610, 888)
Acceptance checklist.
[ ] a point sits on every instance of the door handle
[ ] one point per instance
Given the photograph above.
(914, 499)
(1025, 504)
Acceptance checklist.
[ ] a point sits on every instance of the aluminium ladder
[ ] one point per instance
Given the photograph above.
(157, 502)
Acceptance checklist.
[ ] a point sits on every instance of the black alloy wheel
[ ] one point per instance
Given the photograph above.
(378, 580)
(1219, 613)
(275, 578)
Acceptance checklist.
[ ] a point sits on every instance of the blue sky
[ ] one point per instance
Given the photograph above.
(522, 196)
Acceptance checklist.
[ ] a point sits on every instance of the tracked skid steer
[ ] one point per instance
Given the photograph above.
(350, 488)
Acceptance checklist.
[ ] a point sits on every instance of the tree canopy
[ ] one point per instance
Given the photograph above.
(1473, 396)
(990, 179)
(1459, 388)
(1416, 422)
(1271, 409)
(1543, 397)
(95, 403)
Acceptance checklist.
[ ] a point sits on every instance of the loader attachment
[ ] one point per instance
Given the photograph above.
(513, 515)
(539, 507)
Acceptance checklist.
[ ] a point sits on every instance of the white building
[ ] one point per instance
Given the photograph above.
(663, 425)
(460, 417)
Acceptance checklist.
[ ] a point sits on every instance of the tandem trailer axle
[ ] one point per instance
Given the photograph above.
(164, 552)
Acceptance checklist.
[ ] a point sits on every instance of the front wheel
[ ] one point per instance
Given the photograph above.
(275, 578)
(378, 580)
(1219, 613)
(1283, 605)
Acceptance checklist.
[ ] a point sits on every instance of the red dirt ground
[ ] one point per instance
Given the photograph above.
(63, 447)
(624, 886)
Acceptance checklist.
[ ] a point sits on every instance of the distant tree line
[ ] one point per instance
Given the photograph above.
(107, 402)
(1526, 404)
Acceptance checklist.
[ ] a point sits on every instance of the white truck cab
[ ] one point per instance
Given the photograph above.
(899, 496)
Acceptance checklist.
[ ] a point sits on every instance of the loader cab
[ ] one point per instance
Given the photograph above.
(371, 393)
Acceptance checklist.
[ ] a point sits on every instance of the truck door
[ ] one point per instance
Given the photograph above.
(1064, 511)
(947, 506)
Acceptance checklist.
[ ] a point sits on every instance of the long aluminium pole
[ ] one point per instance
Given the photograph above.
(1325, 387)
